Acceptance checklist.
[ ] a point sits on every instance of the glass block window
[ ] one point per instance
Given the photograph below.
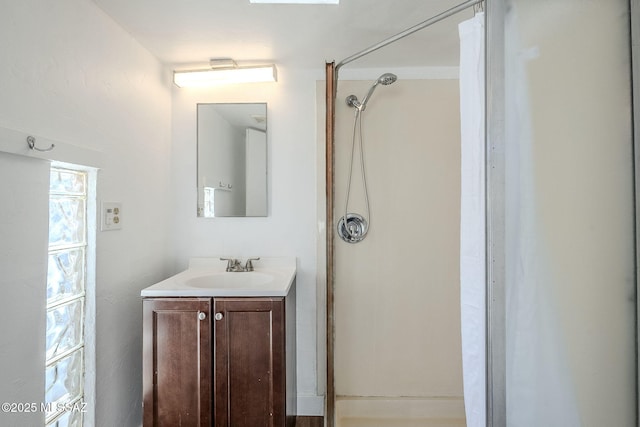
(66, 283)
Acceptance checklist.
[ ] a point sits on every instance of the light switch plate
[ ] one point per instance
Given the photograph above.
(111, 216)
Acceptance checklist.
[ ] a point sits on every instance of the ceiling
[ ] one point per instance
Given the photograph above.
(302, 36)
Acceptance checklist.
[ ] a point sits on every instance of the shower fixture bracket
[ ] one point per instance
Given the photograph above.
(352, 101)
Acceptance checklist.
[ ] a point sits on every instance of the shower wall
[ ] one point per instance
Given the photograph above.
(397, 341)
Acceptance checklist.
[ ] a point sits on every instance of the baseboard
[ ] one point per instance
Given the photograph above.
(310, 405)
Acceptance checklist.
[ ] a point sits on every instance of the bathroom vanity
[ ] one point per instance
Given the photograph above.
(219, 347)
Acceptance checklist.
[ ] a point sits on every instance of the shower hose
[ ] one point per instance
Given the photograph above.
(357, 135)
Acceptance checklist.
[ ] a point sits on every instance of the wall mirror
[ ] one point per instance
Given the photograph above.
(232, 160)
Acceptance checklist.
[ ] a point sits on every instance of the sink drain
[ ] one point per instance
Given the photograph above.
(354, 230)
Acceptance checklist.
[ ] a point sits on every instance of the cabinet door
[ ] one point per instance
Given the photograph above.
(249, 373)
(177, 362)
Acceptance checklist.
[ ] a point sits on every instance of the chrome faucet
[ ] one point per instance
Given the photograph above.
(234, 265)
(249, 265)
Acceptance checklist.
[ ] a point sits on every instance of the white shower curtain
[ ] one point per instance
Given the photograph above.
(538, 382)
(472, 218)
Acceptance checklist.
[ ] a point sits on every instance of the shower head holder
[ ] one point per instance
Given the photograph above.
(352, 101)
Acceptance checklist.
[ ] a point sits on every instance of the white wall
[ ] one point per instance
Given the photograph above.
(23, 263)
(256, 172)
(290, 228)
(221, 149)
(71, 75)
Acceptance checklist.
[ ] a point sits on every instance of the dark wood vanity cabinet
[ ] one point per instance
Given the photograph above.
(177, 362)
(250, 371)
(222, 362)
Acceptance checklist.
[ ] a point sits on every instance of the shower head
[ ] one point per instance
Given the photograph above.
(385, 80)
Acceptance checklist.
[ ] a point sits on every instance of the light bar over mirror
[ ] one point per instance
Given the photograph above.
(296, 1)
(223, 72)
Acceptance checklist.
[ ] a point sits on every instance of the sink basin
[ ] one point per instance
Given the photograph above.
(206, 277)
(230, 280)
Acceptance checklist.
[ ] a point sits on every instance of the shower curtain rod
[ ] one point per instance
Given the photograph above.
(403, 34)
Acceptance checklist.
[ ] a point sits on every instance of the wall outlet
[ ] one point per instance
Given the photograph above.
(111, 216)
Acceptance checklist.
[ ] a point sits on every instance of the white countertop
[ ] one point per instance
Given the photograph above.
(206, 277)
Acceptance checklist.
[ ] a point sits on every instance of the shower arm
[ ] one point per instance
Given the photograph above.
(405, 33)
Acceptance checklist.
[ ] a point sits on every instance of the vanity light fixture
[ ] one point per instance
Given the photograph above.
(225, 71)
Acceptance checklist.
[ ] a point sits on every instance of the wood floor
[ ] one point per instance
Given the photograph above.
(310, 422)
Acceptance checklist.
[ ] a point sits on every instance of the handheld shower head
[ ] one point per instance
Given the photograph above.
(385, 80)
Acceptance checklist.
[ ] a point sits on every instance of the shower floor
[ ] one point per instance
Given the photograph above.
(400, 412)
(396, 422)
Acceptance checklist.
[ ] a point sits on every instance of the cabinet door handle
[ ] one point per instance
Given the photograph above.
(218, 316)
(202, 315)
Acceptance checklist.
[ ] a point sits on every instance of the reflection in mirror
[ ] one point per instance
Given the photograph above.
(232, 160)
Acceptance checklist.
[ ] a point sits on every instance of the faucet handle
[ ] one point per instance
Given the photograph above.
(230, 263)
(249, 265)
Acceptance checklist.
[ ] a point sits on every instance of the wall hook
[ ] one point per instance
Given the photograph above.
(31, 141)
